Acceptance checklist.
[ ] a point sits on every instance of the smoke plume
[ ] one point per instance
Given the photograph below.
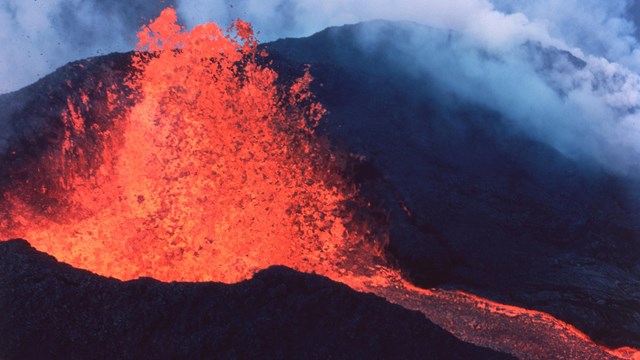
(566, 72)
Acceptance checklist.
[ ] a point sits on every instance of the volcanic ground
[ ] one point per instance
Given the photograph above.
(488, 219)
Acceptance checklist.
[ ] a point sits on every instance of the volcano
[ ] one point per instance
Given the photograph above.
(321, 154)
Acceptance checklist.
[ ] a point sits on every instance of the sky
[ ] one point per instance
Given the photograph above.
(587, 112)
(39, 36)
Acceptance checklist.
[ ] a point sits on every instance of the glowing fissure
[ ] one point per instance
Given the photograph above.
(214, 173)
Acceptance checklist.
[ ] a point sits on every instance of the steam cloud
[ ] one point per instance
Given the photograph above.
(585, 106)
(38, 36)
(567, 72)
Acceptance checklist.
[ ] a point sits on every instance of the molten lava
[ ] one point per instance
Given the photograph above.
(215, 172)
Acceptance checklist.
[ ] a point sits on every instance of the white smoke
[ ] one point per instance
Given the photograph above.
(585, 110)
(588, 110)
(599, 28)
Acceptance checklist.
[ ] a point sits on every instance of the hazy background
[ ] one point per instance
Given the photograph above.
(37, 36)
(587, 111)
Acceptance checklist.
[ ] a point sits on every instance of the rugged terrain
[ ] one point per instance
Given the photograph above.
(487, 208)
(473, 202)
(59, 311)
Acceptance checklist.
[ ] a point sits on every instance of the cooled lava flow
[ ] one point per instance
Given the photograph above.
(216, 172)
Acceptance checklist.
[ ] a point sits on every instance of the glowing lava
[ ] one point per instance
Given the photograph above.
(217, 171)
(214, 173)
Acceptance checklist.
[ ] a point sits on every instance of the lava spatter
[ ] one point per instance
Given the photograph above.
(216, 171)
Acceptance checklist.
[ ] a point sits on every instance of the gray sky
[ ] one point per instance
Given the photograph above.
(40, 35)
(596, 116)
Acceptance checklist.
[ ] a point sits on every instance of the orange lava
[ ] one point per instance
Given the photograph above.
(216, 172)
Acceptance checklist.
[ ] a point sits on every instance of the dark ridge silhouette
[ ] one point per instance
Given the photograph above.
(486, 207)
(53, 311)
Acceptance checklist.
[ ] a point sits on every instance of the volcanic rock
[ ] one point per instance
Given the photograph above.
(474, 202)
(51, 310)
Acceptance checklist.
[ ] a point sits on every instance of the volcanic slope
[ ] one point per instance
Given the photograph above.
(472, 203)
(475, 202)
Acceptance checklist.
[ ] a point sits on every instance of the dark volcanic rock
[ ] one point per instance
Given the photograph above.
(486, 207)
(51, 310)
(31, 122)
